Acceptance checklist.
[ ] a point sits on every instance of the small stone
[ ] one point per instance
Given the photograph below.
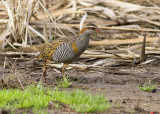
(154, 90)
(124, 102)
(110, 100)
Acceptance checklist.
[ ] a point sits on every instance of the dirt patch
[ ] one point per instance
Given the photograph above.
(120, 84)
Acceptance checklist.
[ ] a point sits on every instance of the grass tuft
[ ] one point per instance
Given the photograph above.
(148, 87)
(38, 98)
(64, 82)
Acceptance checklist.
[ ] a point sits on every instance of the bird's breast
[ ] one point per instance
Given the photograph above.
(68, 52)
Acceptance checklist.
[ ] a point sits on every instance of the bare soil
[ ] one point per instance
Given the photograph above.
(118, 83)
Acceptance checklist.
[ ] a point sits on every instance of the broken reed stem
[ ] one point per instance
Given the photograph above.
(74, 7)
(120, 28)
(102, 56)
(54, 22)
(118, 42)
(145, 20)
(45, 32)
(143, 47)
(15, 71)
(18, 78)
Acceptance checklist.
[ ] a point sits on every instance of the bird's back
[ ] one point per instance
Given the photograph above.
(63, 50)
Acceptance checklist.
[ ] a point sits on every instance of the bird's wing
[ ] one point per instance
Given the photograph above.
(47, 50)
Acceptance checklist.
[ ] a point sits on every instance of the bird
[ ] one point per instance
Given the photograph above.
(68, 49)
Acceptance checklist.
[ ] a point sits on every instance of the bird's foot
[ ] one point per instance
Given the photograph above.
(43, 78)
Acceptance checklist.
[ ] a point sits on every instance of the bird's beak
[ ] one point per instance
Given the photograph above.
(99, 31)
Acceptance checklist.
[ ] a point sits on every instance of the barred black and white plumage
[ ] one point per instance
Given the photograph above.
(65, 53)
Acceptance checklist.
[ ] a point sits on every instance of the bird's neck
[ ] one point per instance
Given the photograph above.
(83, 42)
(85, 37)
(84, 34)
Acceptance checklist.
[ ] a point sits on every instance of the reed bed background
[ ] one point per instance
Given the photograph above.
(126, 23)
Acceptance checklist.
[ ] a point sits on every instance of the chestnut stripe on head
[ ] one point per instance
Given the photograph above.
(87, 28)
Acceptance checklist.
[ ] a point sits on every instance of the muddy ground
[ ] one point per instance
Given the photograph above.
(119, 83)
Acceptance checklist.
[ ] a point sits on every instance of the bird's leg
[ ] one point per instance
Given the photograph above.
(63, 71)
(44, 71)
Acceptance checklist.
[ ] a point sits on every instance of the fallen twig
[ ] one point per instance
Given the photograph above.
(117, 42)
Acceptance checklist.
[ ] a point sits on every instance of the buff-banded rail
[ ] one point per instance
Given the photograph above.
(68, 49)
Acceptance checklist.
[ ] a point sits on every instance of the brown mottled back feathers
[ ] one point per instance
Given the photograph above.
(47, 50)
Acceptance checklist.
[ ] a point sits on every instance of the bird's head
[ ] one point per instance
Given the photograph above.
(90, 29)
